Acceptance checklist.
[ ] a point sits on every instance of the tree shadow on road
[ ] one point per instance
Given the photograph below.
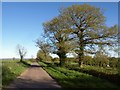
(23, 84)
(25, 63)
(29, 65)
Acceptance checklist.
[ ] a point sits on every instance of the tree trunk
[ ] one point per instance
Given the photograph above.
(81, 58)
(62, 56)
(62, 62)
(81, 51)
(21, 58)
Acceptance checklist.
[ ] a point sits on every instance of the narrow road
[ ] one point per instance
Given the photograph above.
(34, 77)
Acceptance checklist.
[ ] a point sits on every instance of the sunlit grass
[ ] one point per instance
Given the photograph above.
(42, 64)
(10, 70)
(74, 79)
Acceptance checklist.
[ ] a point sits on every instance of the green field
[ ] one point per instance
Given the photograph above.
(65, 77)
(11, 69)
(74, 79)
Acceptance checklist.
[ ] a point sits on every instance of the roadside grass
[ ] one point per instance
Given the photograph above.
(107, 73)
(10, 70)
(29, 61)
(42, 64)
(106, 70)
(74, 79)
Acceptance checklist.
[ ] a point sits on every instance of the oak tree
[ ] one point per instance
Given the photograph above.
(59, 36)
(88, 25)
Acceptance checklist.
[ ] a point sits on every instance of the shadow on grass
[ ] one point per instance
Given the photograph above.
(82, 82)
(25, 63)
(70, 80)
(88, 82)
(50, 64)
(28, 65)
(111, 77)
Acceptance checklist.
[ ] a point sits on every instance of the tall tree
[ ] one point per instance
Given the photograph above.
(88, 26)
(21, 51)
(59, 35)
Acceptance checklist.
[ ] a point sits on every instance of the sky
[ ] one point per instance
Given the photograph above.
(60, 0)
(22, 23)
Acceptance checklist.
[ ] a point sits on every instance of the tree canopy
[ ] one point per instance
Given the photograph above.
(44, 49)
(59, 35)
(80, 28)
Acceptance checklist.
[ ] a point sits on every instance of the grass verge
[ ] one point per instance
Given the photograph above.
(10, 70)
(74, 79)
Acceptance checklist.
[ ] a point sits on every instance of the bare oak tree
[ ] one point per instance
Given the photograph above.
(21, 51)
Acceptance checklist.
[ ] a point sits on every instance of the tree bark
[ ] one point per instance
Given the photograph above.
(81, 49)
(81, 58)
(62, 61)
(62, 56)
(21, 58)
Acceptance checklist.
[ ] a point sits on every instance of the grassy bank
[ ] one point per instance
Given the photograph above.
(106, 70)
(107, 73)
(75, 79)
(11, 69)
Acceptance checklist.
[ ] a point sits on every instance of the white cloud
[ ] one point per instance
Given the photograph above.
(54, 55)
